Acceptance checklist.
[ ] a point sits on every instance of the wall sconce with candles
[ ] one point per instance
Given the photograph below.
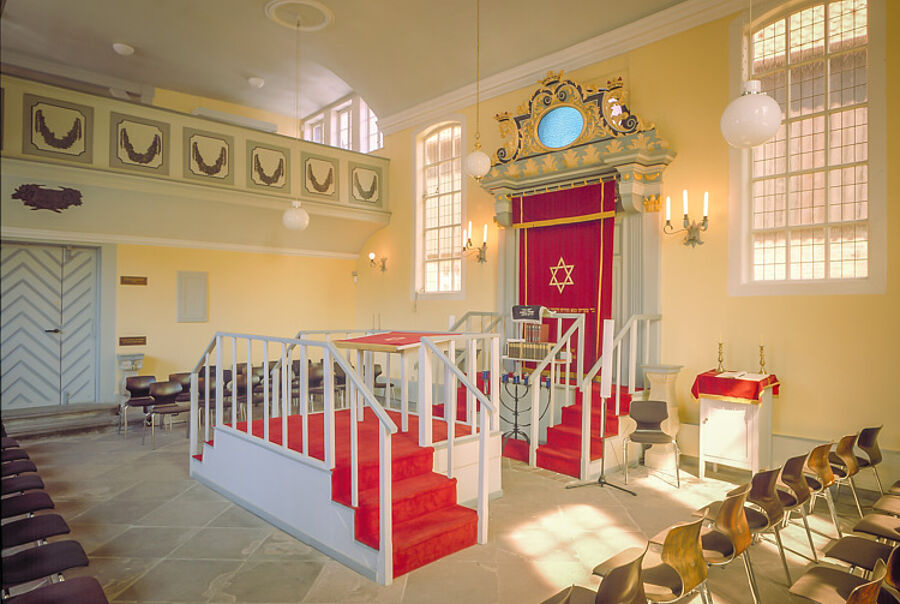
(469, 249)
(378, 262)
(691, 229)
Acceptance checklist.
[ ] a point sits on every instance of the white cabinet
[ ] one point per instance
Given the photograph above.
(737, 434)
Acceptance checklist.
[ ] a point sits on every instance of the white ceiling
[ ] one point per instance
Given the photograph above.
(395, 53)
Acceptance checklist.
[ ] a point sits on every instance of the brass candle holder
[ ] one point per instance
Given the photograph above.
(762, 360)
(721, 366)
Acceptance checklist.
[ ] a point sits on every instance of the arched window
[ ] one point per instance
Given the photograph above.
(440, 213)
(809, 208)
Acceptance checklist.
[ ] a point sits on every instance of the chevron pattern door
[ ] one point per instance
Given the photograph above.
(47, 331)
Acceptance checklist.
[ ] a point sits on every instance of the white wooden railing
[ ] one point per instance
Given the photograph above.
(487, 411)
(611, 360)
(264, 349)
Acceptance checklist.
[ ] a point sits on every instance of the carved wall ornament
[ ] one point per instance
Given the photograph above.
(138, 144)
(57, 129)
(651, 203)
(268, 167)
(365, 184)
(209, 156)
(38, 197)
(320, 175)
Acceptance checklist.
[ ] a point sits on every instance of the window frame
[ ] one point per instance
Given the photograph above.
(740, 271)
(417, 278)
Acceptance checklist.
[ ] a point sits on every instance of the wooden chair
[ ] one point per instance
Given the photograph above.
(679, 569)
(868, 442)
(799, 495)
(844, 465)
(879, 526)
(764, 495)
(824, 584)
(649, 416)
(822, 478)
(183, 378)
(730, 537)
(859, 552)
(163, 395)
(621, 585)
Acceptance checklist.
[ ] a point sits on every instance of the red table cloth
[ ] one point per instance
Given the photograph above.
(710, 385)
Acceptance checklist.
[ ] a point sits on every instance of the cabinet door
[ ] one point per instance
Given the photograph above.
(726, 431)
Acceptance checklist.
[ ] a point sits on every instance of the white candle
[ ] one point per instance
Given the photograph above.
(470, 230)
(484, 239)
(668, 209)
(705, 204)
(684, 196)
(371, 255)
(464, 238)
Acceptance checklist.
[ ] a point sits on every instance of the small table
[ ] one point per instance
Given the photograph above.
(735, 418)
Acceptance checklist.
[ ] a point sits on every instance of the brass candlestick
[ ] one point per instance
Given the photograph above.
(721, 366)
(762, 360)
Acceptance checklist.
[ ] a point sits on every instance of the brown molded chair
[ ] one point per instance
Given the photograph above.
(895, 488)
(887, 504)
(163, 395)
(730, 536)
(879, 526)
(868, 442)
(844, 465)
(48, 560)
(764, 495)
(796, 500)
(649, 416)
(183, 378)
(824, 584)
(621, 585)
(13, 454)
(84, 590)
(33, 529)
(138, 388)
(680, 568)
(859, 552)
(822, 478)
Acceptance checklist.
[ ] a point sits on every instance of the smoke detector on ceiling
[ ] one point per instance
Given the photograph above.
(309, 14)
(256, 82)
(126, 50)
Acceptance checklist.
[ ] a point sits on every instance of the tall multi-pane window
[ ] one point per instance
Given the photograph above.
(441, 210)
(809, 184)
(317, 132)
(344, 128)
(373, 138)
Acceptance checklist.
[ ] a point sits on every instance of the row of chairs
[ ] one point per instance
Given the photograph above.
(29, 560)
(761, 506)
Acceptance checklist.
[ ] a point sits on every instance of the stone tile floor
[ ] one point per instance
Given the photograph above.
(155, 535)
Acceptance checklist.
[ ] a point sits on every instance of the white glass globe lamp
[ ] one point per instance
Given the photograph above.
(477, 163)
(752, 118)
(295, 217)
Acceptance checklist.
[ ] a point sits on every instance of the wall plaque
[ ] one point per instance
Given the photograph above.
(133, 341)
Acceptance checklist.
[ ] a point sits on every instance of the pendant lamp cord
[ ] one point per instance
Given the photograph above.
(477, 74)
(297, 82)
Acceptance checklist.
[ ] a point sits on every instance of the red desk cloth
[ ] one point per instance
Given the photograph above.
(396, 339)
(732, 389)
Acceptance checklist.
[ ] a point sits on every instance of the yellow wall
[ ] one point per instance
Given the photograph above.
(186, 103)
(832, 353)
(265, 294)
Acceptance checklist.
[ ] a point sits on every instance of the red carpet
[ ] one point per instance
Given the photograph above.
(427, 522)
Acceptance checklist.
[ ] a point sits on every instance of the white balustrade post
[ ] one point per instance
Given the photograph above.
(483, 476)
(219, 377)
(579, 362)
(206, 400)
(632, 357)
(354, 441)
(450, 405)
(303, 393)
(285, 394)
(328, 395)
(249, 380)
(385, 572)
(234, 402)
(472, 374)
(534, 429)
(387, 380)
(405, 371)
(365, 369)
(618, 378)
(495, 382)
(266, 390)
(195, 415)
(587, 388)
(424, 404)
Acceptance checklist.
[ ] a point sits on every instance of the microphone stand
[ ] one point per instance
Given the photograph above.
(601, 480)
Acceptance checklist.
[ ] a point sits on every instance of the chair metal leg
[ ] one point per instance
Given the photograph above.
(702, 594)
(153, 431)
(787, 572)
(125, 421)
(855, 496)
(625, 458)
(830, 502)
(878, 479)
(751, 579)
(677, 463)
(808, 534)
(708, 591)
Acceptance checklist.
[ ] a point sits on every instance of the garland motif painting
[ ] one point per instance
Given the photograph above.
(365, 184)
(138, 144)
(208, 156)
(57, 129)
(320, 175)
(268, 167)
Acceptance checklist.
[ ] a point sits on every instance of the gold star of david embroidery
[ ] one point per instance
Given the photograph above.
(554, 275)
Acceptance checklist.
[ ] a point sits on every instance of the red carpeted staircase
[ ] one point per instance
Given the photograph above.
(562, 451)
(427, 522)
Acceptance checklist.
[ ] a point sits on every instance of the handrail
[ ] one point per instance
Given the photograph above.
(351, 374)
(459, 374)
(209, 348)
(477, 313)
(592, 373)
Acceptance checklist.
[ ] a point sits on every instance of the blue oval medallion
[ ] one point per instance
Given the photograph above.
(560, 127)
